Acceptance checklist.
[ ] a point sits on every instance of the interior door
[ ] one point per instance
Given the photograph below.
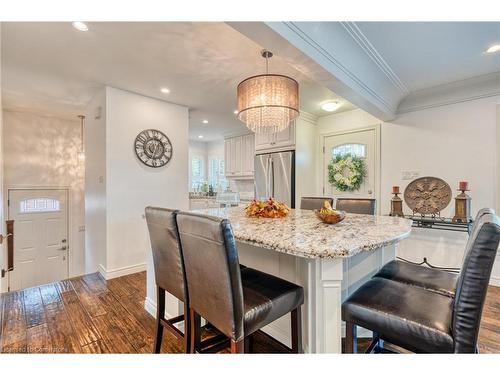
(361, 143)
(41, 236)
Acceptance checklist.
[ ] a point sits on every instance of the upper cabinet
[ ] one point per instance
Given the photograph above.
(239, 154)
(282, 140)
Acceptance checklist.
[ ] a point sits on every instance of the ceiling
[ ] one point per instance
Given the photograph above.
(50, 67)
(428, 54)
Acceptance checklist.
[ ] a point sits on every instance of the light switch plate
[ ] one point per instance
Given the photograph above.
(410, 175)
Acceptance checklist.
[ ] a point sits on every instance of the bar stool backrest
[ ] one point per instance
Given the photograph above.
(473, 283)
(357, 205)
(212, 271)
(314, 203)
(167, 252)
(479, 217)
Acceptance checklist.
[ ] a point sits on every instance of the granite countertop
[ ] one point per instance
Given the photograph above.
(302, 234)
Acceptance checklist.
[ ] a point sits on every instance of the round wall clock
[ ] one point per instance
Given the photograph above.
(153, 148)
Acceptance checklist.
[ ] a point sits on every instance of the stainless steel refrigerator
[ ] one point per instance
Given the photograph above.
(275, 177)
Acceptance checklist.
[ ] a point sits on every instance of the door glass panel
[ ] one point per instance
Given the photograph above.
(33, 205)
(355, 149)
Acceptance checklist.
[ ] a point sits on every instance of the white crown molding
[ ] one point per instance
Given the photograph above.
(308, 117)
(339, 64)
(376, 57)
(328, 53)
(475, 88)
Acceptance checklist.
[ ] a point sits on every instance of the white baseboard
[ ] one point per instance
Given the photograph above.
(495, 280)
(122, 271)
(150, 307)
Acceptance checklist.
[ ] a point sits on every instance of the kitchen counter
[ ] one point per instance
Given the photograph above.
(302, 234)
(329, 261)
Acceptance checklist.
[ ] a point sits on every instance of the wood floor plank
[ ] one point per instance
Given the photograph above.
(33, 307)
(109, 328)
(95, 283)
(82, 324)
(63, 312)
(96, 347)
(118, 287)
(38, 339)
(49, 294)
(130, 326)
(64, 286)
(14, 322)
(64, 337)
(89, 300)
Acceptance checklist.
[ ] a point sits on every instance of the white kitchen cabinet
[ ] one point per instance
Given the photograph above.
(247, 155)
(239, 154)
(281, 140)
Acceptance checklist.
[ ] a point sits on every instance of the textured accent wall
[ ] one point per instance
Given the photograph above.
(41, 152)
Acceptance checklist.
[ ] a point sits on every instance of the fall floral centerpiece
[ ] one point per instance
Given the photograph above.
(268, 209)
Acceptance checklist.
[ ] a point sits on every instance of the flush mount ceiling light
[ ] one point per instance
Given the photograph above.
(80, 26)
(205, 121)
(268, 103)
(331, 106)
(200, 136)
(165, 90)
(494, 48)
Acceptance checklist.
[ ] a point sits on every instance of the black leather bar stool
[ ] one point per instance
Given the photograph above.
(237, 302)
(422, 320)
(169, 272)
(357, 205)
(428, 278)
(314, 203)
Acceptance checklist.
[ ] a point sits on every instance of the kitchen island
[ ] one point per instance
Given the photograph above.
(329, 261)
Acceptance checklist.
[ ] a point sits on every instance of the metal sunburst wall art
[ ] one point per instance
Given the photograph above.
(427, 196)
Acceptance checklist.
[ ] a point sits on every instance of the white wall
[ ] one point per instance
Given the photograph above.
(131, 185)
(95, 183)
(455, 142)
(128, 185)
(41, 152)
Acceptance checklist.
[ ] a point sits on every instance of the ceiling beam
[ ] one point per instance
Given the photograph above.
(336, 55)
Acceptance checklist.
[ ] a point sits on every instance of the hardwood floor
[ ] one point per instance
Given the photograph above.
(90, 315)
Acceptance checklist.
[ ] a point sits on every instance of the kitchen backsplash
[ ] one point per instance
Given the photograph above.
(244, 187)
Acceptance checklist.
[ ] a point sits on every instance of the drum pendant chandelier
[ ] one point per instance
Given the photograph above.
(268, 103)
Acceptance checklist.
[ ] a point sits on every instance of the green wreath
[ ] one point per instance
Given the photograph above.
(346, 172)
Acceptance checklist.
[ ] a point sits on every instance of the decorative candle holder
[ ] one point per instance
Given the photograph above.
(396, 203)
(462, 205)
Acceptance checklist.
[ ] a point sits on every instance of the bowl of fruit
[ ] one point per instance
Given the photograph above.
(328, 215)
(269, 209)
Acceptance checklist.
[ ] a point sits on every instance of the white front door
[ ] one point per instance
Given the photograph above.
(362, 143)
(40, 236)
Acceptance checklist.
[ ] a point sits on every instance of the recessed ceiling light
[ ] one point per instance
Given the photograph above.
(165, 90)
(200, 136)
(205, 121)
(80, 26)
(235, 112)
(494, 48)
(330, 106)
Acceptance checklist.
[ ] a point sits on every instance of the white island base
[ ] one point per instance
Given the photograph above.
(327, 283)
